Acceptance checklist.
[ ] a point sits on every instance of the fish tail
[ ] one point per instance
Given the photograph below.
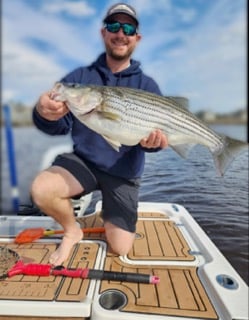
(232, 148)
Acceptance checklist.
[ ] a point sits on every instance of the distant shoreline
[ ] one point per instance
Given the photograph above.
(21, 116)
(226, 121)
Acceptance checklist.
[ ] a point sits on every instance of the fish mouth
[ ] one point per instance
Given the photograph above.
(53, 95)
(56, 91)
(56, 96)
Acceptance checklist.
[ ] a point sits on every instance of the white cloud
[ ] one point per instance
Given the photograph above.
(74, 8)
(149, 7)
(207, 65)
(27, 71)
(205, 61)
(186, 15)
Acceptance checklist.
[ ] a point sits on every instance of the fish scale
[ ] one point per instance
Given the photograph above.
(121, 105)
(142, 103)
(125, 116)
(161, 116)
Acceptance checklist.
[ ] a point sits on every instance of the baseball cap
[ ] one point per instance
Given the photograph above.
(121, 8)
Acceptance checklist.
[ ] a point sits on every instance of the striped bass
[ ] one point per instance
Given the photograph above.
(125, 116)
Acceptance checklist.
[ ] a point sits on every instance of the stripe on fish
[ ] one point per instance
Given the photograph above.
(125, 116)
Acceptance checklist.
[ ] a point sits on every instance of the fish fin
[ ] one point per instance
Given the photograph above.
(232, 148)
(114, 143)
(110, 115)
(183, 149)
(102, 107)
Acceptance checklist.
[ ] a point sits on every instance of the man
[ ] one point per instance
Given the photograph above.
(94, 164)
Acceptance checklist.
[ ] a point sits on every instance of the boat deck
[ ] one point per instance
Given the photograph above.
(161, 248)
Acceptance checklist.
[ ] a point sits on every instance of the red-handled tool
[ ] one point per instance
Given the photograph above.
(34, 269)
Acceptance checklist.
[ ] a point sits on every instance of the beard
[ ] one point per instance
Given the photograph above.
(118, 55)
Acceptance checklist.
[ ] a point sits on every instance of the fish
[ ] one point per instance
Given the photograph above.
(124, 116)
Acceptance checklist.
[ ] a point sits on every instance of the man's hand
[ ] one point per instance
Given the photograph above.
(155, 140)
(50, 109)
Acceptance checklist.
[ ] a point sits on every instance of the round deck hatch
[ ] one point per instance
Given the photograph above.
(227, 282)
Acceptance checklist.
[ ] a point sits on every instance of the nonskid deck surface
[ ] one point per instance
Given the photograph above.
(52, 288)
(159, 241)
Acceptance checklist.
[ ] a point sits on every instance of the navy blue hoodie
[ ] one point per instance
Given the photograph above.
(129, 161)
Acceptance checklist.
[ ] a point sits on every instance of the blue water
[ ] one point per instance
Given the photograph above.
(219, 204)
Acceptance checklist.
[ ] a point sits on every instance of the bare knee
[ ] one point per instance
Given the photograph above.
(119, 240)
(41, 189)
(52, 186)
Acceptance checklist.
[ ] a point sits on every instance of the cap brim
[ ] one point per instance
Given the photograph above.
(109, 18)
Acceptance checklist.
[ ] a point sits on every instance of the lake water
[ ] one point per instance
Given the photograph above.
(219, 204)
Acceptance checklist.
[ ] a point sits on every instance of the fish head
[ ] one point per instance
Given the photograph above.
(80, 99)
(58, 92)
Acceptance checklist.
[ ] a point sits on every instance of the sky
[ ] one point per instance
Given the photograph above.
(192, 48)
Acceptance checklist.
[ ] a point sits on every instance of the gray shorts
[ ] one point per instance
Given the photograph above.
(119, 196)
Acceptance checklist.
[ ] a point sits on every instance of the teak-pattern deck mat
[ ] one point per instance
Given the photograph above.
(179, 293)
(156, 239)
(159, 240)
(50, 288)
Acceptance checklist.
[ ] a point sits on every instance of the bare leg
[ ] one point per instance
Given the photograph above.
(119, 240)
(51, 191)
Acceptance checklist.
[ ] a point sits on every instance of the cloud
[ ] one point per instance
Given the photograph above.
(28, 70)
(206, 63)
(74, 8)
(26, 74)
(197, 50)
(186, 15)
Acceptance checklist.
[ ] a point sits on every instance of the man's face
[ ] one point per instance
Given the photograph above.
(118, 45)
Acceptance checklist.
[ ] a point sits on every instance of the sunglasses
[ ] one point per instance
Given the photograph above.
(128, 29)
